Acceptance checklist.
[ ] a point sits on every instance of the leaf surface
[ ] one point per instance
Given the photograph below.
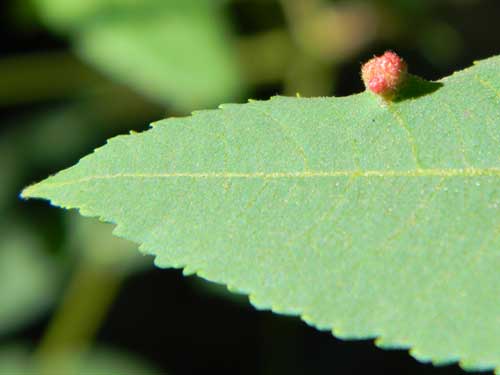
(368, 219)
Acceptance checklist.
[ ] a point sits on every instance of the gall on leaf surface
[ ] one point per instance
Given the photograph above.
(366, 220)
(384, 75)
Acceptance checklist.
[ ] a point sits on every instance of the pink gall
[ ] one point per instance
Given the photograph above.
(384, 74)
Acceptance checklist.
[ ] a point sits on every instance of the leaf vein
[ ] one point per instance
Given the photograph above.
(411, 139)
(327, 214)
(383, 173)
(488, 86)
(460, 134)
(287, 136)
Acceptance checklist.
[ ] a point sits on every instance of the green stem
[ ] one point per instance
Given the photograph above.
(84, 306)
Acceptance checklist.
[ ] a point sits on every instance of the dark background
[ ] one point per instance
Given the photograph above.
(50, 118)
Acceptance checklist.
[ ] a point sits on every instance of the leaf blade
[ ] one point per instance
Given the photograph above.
(366, 219)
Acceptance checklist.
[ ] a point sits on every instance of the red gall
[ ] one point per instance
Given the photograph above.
(384, 74)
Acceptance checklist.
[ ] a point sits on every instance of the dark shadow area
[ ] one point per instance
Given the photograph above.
(415, 87)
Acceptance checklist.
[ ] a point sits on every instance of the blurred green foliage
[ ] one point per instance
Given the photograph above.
(29, 280)
(175, 52)
(116, 65)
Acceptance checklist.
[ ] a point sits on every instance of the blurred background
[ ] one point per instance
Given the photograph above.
(74, 299)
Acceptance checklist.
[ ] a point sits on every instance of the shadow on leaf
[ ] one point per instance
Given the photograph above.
(416, 87)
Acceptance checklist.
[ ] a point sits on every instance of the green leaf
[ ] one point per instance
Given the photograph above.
(370, 219)
(29, 281)
(176, 53)
(67, 15)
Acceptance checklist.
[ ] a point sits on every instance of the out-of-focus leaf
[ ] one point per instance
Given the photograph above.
(68, 15)
(175, 52)
(28, 278)
(178, 58)
(16, 360)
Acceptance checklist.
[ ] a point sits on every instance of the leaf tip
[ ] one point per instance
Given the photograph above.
(28, 192)
(35, 190)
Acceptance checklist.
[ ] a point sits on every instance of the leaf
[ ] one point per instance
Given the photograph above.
(172, 52)
(67, 15)
(371, 220)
